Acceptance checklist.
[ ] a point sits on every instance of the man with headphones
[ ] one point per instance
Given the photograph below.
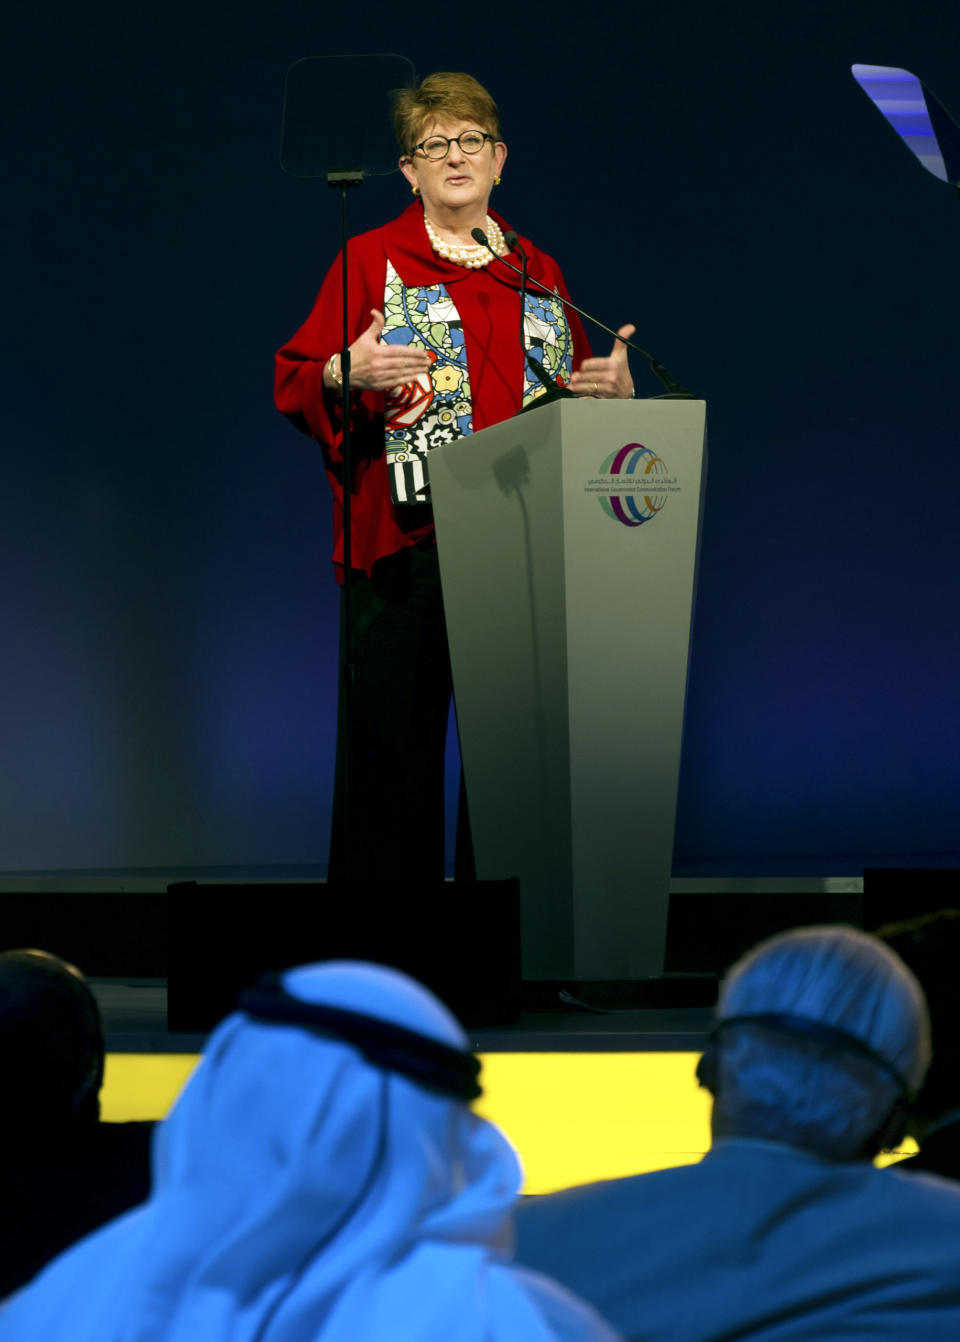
(785, 1229)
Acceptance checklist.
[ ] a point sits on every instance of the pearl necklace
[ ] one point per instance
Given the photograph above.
(474, 257)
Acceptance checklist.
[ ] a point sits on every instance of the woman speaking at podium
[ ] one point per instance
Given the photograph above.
(435, 354)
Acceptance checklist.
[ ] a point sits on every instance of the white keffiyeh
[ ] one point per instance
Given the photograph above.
(303, 1195)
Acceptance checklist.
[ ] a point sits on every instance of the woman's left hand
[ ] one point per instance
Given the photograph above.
(607, 378)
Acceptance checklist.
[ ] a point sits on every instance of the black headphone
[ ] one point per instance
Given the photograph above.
(893, 1129)
(392, 1048)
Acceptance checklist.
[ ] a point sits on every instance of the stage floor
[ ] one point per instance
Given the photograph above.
(134, 1015)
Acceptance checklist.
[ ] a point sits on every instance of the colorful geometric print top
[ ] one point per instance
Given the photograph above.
(437, 407)
(548, 340)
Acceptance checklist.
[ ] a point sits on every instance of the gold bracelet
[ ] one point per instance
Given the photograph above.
(333, 368)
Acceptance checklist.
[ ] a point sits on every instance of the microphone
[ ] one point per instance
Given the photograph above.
(551, 387)
(674, 390)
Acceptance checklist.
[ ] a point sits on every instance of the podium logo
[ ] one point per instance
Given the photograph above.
(633, 485)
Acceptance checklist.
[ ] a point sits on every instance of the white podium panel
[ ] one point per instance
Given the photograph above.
(568, 550)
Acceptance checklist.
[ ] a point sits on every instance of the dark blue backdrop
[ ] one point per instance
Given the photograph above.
(709, 171)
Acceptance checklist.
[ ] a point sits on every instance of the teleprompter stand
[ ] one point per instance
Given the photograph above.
(329, 131)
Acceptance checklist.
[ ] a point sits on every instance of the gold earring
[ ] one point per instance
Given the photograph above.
(496, 181)
(415, 190)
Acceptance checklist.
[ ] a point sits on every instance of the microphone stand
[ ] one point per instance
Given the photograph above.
(316, 141)
(674, 391)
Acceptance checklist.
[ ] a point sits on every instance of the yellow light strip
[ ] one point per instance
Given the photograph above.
(573, 1117)
(138, 1086)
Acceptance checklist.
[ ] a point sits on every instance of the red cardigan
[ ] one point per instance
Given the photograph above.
(487, 301)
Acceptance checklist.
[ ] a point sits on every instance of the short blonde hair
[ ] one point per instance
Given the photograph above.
(445, 96)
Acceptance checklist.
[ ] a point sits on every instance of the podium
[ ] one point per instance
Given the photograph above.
(568, 542)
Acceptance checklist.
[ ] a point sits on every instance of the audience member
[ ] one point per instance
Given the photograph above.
(320, 1179)
(62, 1171)
(930, 946)
(785, 1230)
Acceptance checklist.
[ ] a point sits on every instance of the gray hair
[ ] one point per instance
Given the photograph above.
(814, 1092)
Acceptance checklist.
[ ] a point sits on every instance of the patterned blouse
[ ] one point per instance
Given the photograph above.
(436, 408)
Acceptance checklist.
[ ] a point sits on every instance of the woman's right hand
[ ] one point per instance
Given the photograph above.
(377, 367)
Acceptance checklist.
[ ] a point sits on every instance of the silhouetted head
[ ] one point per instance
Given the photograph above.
(820, 1039)
(51, 1051)
(930, 947)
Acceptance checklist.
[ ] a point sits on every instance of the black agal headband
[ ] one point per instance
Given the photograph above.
(802, 1027)
(390, 1047)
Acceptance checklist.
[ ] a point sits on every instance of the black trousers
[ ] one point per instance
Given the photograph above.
(401, 701)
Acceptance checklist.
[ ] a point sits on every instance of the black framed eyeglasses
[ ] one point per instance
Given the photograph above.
(438, 146)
